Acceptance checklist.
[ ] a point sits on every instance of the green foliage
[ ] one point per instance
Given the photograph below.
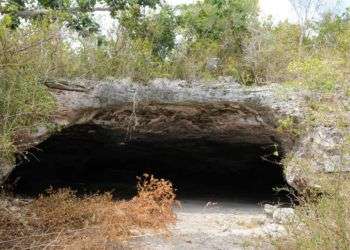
(55, 4)
(162, 30)
(211, 19)
(268, 51)
(118, 5)
(77, 13)
(315, 73)
(157, 29)
(83, 24)
(334, 34)
(213, 31)
(190, 62)
(27, 57)
(288, 125)
(143, 66)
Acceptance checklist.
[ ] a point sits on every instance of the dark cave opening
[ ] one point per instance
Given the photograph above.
(90, 159)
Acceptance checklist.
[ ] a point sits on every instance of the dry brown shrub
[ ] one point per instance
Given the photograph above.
(61, 219)
(155, 199)
(11, 222)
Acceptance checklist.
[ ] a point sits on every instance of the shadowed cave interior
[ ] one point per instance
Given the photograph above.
(90, 158)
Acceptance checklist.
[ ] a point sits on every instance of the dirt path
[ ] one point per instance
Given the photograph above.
(204, 224)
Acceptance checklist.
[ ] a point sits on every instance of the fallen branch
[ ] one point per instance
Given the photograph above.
(64, 85)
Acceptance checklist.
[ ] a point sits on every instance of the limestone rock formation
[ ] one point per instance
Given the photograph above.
(222, 110)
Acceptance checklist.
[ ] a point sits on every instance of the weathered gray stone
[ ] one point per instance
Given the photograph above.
(280, 215)
(269, 209)
(324, 144)
(213, 63)
(284, 215)
(5, 170)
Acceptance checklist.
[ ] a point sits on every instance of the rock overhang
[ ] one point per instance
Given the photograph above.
(223, 110)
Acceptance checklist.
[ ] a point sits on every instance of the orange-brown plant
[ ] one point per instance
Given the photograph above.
(61, 219)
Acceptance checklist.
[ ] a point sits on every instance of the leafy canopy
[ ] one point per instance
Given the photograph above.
(212, 18)
(77, 13)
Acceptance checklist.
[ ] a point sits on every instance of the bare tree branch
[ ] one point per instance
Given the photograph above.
(37, 12)
(306, 10)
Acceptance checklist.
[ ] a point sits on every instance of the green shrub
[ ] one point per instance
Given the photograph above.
(288, 125)
(27, 57)
(191, 61)
(315, 73)
(267, 52)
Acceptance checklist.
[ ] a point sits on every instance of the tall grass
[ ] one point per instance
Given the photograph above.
(323, 220)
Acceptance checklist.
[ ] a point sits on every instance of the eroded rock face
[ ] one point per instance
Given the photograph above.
(5, 170)
(324, 144)
(174, 109)
(221, 110)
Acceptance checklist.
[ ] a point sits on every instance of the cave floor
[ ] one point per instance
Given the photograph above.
(214, 224)
(218, 219)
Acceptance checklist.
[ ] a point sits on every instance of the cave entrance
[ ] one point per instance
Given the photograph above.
(90, 158)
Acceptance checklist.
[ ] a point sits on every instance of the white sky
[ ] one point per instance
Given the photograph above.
(280, 10)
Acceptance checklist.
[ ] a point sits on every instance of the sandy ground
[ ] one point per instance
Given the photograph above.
(221, 224)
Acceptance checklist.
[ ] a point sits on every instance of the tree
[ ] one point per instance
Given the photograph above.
(333, 31)
(77, 13)
(162, 30)
(158, 29)
(225, 22)
(306, 11)
(212, 18)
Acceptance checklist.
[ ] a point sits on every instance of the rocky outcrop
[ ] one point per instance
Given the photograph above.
(281, 215)
(5, 170)
(223, 110)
